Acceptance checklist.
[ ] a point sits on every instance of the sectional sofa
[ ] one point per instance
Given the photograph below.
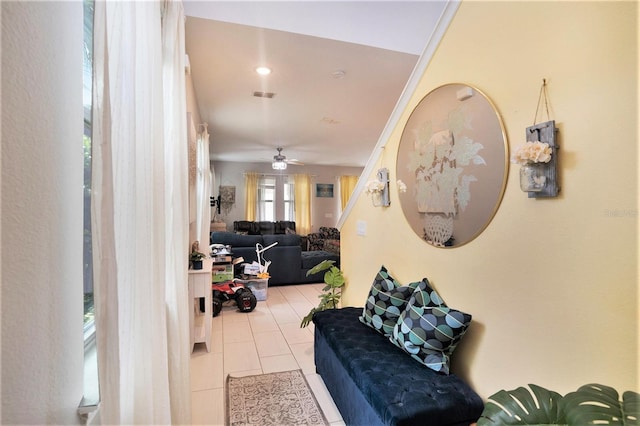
(263, 227)
(289, 264)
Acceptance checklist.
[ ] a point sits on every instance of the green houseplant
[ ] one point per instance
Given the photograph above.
(590, 404)
(330, 298)
(195, 258)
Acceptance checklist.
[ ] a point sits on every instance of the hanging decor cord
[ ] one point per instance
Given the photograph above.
(543, 93)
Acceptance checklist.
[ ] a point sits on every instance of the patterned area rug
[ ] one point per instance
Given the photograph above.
(280, 399)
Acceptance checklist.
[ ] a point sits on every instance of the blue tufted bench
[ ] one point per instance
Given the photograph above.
(375, 383)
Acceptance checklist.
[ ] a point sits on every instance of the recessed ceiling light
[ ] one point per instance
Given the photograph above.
(329, 120)
(264, 94)
(339, 73)
(263, 70)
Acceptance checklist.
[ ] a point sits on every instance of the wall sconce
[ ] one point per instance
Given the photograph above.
(225, 200)
(215, 202)
(538, 158)
(379, 189)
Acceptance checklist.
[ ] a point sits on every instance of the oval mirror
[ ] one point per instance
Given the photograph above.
(453, 157)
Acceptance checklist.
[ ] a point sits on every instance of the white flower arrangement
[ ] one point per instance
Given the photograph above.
(532, 152)
(374, 186)
(402, 187)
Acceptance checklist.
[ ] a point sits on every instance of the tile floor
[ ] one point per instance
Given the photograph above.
(266, 340)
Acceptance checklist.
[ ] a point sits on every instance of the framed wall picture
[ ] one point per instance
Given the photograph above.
(227, 194)
(324, 190)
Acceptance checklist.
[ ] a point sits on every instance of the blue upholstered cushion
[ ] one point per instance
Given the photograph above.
(281, 239)
(235, 240)
(312, 258)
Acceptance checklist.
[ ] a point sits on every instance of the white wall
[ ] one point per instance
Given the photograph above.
(324, 211)
(552, 284)
(42, 206)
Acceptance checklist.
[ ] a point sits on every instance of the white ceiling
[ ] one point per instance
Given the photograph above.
(315, 117)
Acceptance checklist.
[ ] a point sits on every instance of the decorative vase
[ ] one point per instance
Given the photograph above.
(532, 177)
(197, 264)
(376, 197)
(438, 229)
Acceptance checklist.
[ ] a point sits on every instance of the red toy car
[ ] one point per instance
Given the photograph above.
(231, 290)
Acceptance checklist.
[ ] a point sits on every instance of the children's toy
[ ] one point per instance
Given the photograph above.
(231, 290)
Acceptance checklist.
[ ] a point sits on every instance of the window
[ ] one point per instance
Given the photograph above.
(91, 392)
(275, 199)
(266, 199)
(289, 201)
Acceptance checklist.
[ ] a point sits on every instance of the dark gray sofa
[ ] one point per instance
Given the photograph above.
(375, 383)
(289, 264)
(263, 227)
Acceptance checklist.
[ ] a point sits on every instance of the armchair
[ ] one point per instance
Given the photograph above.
(326, 239)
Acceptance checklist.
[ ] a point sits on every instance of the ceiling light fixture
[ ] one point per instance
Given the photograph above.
(279, 161)
(279, 165)
(263, 70)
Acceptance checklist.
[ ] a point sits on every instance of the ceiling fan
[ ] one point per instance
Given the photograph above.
(280, 161)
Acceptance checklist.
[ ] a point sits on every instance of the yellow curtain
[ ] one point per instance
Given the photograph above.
(302, 189)
(250, 195)
(347, 185)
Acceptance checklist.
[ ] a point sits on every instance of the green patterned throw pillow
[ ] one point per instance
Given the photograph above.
(429, 333)
(387, 299)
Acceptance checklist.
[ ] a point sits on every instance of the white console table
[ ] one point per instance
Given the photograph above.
(200, 286)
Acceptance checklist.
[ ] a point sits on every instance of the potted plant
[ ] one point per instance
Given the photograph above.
(590, 404)
(330, 298)
(195, 258)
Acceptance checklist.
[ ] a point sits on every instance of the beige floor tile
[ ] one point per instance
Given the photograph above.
(240, 356)
(216, 335)
(206, 371)
(302, 308)
(311, 292)
(274, 298)
(230, 313)
(237, 331)
(271, 343)
(284, 314)
(207, 407)
(294, 334)
(292, 294)
(263, 323)
(304, 356)
(272, 364)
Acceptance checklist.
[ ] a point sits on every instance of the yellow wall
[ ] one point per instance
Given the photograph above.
(552, 284)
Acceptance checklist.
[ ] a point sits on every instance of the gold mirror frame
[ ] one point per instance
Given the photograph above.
(453, 157)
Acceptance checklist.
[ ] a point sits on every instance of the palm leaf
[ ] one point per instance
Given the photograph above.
(334, 278)
(331, 293)
(599, 404)
(522, 406)
(631, 408)
(325, 264)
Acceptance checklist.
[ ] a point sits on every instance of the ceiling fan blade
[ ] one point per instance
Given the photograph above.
(295, 162)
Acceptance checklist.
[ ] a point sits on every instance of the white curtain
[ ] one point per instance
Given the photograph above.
(203, 191)
(140, 216)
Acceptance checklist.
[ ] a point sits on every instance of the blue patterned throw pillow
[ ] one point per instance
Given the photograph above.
(429, 333)
(387, 299)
